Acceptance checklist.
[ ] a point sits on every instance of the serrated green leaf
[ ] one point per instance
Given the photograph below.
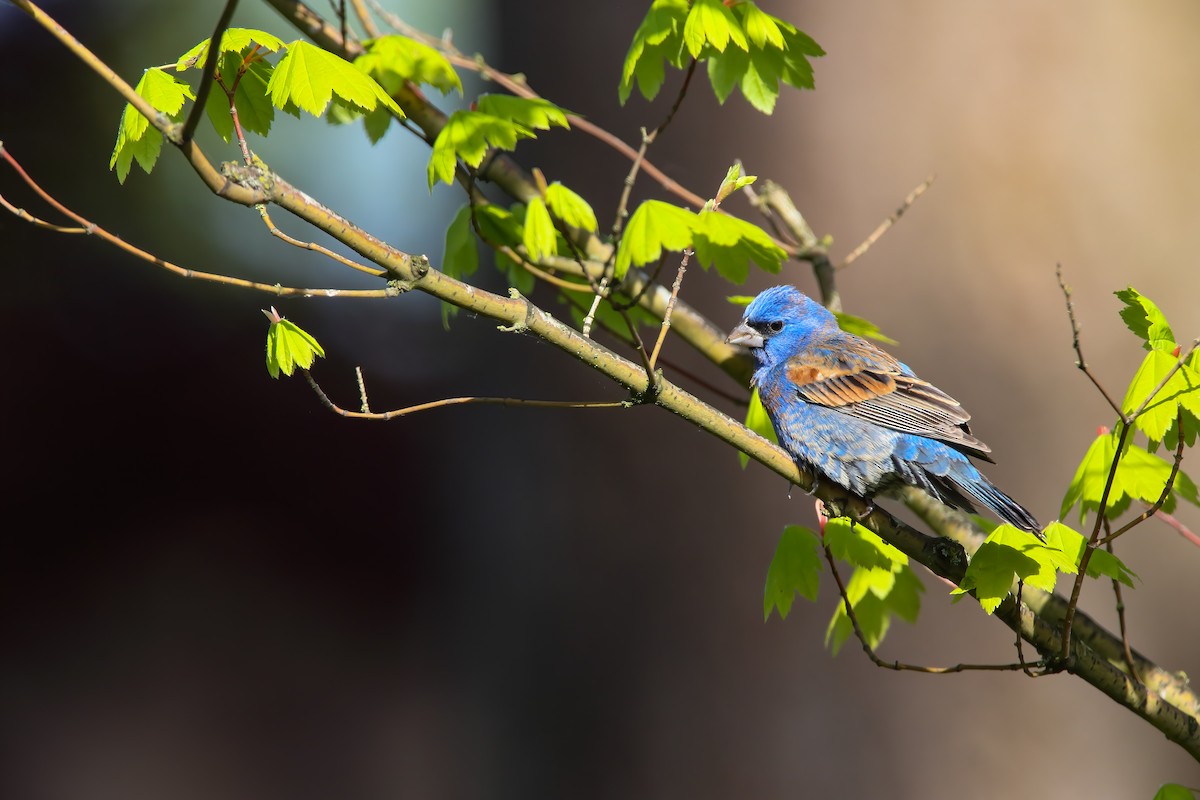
(310, 78)
(570, 207)
(730, 244)
(860, 547)
(760, 27)
(499, 225)
(234, 40)
(539, 236)
(399, 58)
(795, 569)
(1181, 389)
(468, 135)
(1008, 554)
(876, 595)
(711, 22)
(861, 327)
(760, 80)
(1072, 545)
(777, 52)
(1142, 317)
(725, 71)
(531, 112)
(1141, 475)
(290, 346)
(137, 139)
(757, 421)
(655, 226)
(251, 99)
(460, 258)
(657, 40)
(797, 69)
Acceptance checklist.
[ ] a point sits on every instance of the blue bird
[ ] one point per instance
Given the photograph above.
(855, 415)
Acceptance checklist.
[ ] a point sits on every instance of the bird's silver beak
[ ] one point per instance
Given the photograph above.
(745, 336)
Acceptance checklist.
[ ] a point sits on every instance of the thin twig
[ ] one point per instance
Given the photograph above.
(1120, 606)
(183, 272)
(365, 19)
(899, 666)
(451, 401)
(1178, 527)
(364, 405)
(887, 224)
(1081, 362)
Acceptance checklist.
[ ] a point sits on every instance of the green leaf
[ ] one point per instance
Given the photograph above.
(136, 137)
(530, 112)
(757, 421)
(761, 27)
(797, 70)
(539, 237)
(1173, 791)
(777, 53)
(725, 71)
(499, 225)
(310, 78)
(289, 346)
(760, 80)
(795, 569)
(234, 40)
(1072, 544)
(658, 39)
(468, 135)
(731, 244)
(654, 226)
(251, 98)
(570, 207)
(711, 22)
(861, 327)
(740, 299)
(876, 595)
(394, 59)
(860, 547)
(1182, 388)
(1140, 475)
(1142, 317)
(460, 259)
(1007, 554)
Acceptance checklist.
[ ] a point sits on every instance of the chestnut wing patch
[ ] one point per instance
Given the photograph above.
(884, 395)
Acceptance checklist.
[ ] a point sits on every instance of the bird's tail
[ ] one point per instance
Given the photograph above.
(1003, 506)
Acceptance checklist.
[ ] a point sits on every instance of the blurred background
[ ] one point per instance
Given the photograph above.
(211, 586)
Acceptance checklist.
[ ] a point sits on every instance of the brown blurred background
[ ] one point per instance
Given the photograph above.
(211, 587)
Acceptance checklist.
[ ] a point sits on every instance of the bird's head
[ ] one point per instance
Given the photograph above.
(778, 322)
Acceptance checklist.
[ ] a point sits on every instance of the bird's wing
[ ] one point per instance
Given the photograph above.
(859, 379)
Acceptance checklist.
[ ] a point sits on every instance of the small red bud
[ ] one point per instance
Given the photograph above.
(822, 517)
(1177, 351)
(1102, 430)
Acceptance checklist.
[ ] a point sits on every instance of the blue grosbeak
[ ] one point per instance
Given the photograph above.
(846, 409)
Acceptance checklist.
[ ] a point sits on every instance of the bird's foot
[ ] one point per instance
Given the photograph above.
(868, 509)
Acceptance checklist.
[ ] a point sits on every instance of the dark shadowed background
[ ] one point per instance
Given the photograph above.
(212, 587)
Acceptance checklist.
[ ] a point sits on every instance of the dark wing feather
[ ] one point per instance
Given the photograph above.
(859, 379)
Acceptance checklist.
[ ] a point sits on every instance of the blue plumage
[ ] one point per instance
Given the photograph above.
(859, 417)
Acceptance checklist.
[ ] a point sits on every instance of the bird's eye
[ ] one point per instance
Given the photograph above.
(775, 326)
